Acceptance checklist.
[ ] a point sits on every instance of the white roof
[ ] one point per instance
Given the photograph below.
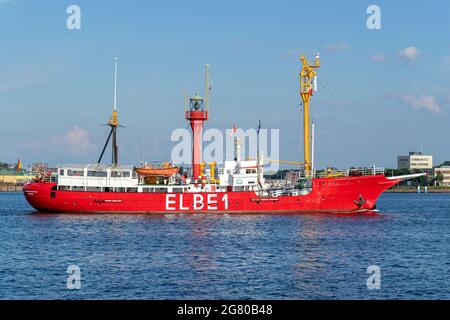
(94, 166)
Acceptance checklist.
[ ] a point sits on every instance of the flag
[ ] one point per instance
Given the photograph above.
(233, 131)
(19, 165)
(259, 126)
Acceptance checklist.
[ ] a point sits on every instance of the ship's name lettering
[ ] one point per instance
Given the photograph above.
(210, 201)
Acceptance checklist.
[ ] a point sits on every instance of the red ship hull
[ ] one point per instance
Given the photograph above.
(333, 195)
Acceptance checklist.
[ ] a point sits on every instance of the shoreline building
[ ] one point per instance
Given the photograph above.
(443, 169)
(35, 167)
(415, 161)
(12, 178)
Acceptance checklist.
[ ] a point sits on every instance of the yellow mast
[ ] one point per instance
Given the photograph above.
(308, 84)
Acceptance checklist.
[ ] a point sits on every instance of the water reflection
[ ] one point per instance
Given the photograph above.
(229, 256)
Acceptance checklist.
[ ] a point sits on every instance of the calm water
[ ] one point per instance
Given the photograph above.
(228, 257)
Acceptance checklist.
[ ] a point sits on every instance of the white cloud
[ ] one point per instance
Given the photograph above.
(336, 46)
(409, 54)
(424, 102)
(378, 57)
(76, 141)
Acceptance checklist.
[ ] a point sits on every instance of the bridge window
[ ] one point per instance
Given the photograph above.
(120, 174)
(75, 173)
(94, 189)
(92, 173)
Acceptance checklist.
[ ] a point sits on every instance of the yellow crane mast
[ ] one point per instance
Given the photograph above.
(308, 84)
(286, 162)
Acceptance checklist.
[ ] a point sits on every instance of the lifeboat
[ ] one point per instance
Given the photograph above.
(166, 171)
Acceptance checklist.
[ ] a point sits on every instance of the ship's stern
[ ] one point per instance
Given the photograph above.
(38, 194)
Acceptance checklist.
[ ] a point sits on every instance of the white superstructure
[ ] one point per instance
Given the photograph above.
(96, 177)
(234, 176)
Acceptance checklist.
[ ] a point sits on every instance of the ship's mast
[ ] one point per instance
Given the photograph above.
(207, 88)
(113, 123)
(308, 85)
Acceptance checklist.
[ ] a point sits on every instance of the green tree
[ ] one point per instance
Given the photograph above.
(438, 178)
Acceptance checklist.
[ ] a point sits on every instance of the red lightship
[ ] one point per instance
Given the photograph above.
(236, 188)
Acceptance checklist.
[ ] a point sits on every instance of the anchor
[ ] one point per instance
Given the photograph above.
(360, 202)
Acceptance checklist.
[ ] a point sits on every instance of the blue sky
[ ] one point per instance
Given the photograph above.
(382, 92)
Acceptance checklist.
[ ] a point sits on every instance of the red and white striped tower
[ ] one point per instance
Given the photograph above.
(196, 115)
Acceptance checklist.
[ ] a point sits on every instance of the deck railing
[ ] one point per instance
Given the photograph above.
(346, 173)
